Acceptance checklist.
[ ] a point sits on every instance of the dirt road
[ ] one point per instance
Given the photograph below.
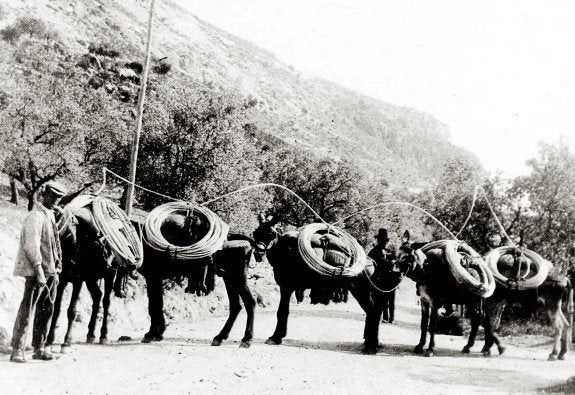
(322, 354)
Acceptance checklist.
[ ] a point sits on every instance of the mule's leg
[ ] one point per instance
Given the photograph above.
(493, 313)
(155, 308)
(373, 311)
(96, 295)
(250, 305)
(432, 324)
(235, 308)
(475, 321)
(72, 311)
(108, 287)
(56, 314)
(282, 316)
(556, 319)
(423, 326)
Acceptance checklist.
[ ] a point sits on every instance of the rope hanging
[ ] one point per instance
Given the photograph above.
(358, 257)
(203, 248)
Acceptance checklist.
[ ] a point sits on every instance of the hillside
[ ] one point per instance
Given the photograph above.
(402, 145)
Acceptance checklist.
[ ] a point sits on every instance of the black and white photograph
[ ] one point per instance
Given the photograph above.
(281, 197)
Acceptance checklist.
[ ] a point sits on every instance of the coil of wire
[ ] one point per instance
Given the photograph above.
(358, 257)
(211, 242)
(119, 232)
(542, 268)
(453, 250)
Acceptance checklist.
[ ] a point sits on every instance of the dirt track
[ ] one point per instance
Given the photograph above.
(320, 355)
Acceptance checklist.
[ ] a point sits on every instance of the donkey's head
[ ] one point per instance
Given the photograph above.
(265, 235)
(409, 257)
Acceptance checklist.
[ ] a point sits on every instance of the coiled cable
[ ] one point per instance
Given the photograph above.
(211, 242)
(358, 257)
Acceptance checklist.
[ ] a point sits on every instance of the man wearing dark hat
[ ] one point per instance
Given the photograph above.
(385, 275)
(39, 261)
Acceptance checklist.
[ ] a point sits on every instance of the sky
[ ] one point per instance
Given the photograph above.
(500, 74)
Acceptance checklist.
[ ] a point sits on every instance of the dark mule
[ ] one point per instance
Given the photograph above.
(86, 259)
(231, 263)
(436, 288)
(292, 274)
(551, 295)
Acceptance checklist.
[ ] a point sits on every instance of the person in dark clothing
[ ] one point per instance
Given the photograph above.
(385, 274)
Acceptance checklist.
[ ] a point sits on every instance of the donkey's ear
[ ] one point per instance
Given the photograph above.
(261, 218)
(405, 237)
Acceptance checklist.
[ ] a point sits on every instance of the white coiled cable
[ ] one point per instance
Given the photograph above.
(358, 257)
(485, 286)
(119, 232)
(543, 267)
(203, 248)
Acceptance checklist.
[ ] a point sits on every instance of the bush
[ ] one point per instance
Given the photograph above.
(31, 26)
(138, 67)
(103, 50)
(162, 68)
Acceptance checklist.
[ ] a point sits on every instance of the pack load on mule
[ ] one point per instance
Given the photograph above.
(517, 268)
(467, 267)
(330, 251)
(114, 227)
(185, 231)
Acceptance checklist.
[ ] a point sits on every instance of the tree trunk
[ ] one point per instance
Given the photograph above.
(14, 191)
(31, 200)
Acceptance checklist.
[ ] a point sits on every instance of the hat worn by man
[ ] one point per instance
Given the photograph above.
(56, 188)
(382, 234)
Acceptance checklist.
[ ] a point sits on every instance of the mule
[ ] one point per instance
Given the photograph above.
(231, 263)
(555, 291)
(292, 274)
(436, 288)
(85, 259)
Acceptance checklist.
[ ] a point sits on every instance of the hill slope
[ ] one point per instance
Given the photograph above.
(396, 143)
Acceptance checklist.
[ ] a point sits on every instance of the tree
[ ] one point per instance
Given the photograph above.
(547, 215)
(194, 147)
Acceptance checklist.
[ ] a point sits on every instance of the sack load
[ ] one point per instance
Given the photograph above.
(518, 268)
(467, 267)
(185, 231)
(330, 251)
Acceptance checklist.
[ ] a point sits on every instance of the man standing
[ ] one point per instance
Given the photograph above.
(39, 261)
(385, 275)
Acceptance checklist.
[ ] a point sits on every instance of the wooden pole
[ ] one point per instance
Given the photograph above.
(137, 132)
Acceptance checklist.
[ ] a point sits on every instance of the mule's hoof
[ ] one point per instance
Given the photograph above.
(273, 342)
(104, 341)
(418, 350)
(216, 342)
(501, 349)
(65, 349)
(429, 353)
(552, 357)
(245, 344)
(90, 339)
(367, 350)
(465, 350)
(152, 338)
(486, 353)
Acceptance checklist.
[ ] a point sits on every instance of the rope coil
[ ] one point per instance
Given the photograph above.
(542, 266)
(358, 257)
(119, 232)
(454, 251)
(211, 242)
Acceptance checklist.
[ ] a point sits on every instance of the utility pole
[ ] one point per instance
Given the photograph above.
(137, 132)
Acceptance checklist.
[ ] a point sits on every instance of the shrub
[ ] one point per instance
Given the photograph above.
(31, 26)
(162, 68)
